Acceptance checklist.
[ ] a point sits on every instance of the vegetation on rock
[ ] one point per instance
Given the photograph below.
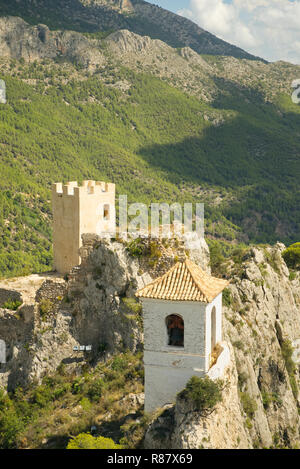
(87, 441)
(70, 404)
(292, 256)
(203, 394)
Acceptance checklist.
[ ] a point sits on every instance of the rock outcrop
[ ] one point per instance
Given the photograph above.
(260, 400)
(96, 307)
(19, 40)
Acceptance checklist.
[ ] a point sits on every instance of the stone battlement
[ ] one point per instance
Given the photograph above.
(87, 188)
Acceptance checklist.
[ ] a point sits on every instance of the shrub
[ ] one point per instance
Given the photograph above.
(87, 441)
(42, 396)
(10, 427)
(242, 379)
(132, 305)
(292, 276)
(291, 256)
(203, 393)
(216, 258)
(119, 363)
(136, 248)
(11, 304)
(95, 390)
(227, 299)
(249, 404)
(45, 307)
(267, 399)
(287, 353)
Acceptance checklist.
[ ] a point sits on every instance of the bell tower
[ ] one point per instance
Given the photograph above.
(182, 313)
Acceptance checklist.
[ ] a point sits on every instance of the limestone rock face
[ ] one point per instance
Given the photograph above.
(262, 319)
(105, 278)
(128, 42)
(119, 5)
(20, 40)
(260, 401)
(136, 15)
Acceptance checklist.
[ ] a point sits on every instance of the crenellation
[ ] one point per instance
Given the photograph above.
(57, 188)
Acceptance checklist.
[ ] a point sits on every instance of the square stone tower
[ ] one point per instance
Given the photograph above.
(89, 208)
(182, 313)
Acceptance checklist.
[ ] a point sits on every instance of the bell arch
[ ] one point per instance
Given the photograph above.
(175, 330)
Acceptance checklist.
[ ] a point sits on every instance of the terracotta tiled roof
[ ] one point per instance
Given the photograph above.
(184, 282)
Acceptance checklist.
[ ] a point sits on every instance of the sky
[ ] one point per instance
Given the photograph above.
(266, 28)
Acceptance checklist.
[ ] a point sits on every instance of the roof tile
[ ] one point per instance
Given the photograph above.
(185, 281)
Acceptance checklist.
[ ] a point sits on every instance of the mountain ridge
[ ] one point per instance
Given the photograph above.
(136, 15)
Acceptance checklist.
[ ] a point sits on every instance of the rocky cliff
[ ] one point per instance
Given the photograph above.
(19, 40)
(260, 399)
(96, 306)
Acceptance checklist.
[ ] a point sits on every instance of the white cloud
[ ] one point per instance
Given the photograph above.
(266, 28)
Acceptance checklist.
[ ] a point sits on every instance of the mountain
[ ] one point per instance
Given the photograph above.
(129, 109)
(110, 15)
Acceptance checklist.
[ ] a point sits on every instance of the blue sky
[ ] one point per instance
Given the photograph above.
(267, 28)
(172, 5)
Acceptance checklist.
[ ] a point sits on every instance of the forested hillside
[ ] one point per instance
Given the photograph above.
(217, 130)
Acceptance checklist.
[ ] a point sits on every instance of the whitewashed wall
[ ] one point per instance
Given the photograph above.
(217, 303)
(167, 369)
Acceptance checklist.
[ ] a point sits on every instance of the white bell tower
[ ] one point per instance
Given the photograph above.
(182, 313)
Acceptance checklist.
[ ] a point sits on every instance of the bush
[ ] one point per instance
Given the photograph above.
(45, 307)
(227, 299)
(134, 306)
(87, 441)
(136, 248)
(95, 390)
(42, 396)
(10, 427)
(203, 393)
(249, 404)
(291, 256)
(119, 363)
(287, 353)
(11, 305)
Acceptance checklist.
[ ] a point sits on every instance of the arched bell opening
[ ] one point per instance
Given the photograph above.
(175, 330)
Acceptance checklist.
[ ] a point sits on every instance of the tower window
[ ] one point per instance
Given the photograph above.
(175, 329)
(106, 212)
